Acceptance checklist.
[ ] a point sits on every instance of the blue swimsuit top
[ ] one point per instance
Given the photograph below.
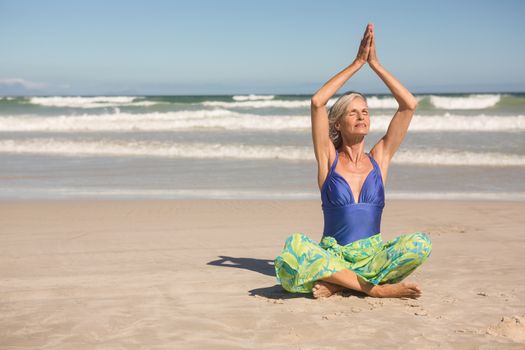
(346, 220)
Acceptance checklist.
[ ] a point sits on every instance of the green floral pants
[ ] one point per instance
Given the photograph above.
(303, 261)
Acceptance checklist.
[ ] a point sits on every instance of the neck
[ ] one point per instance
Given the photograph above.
(354, 149)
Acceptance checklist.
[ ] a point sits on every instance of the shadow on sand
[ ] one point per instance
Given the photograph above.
(266, 267)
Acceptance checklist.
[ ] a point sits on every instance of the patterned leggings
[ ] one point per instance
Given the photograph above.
(303, 261)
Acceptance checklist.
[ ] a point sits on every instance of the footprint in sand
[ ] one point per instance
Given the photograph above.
(507, 297)
(416, 309)
(504, 296)
(421, 312)
(412, 304)
(375, 302)
(512, 327)
(372, 304)
(451, 228)
(449, 299)
(333, 315)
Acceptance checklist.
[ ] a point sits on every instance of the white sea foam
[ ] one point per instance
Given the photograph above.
(169, 121)
(468, 102)
(259, 104)
(474, 101)
(112, 147)
(382, 102)
(453, 122)
(459, 158)
(253, 97)
(89, 102)
(230, 120)
(373, 102)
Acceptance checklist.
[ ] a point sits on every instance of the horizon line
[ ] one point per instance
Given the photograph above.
(254, 93)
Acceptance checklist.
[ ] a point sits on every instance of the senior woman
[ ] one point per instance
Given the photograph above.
(352, 254)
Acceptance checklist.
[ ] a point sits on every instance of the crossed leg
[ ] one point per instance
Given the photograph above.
(349, 279)
(404, 253)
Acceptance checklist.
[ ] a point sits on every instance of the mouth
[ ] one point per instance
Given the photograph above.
(360, 125)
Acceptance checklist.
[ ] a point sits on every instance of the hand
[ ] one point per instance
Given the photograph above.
(372, 57)
(364, 48)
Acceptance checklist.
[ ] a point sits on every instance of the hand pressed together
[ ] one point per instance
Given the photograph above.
(367, 48)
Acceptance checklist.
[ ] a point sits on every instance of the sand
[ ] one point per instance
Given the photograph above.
(198, 274)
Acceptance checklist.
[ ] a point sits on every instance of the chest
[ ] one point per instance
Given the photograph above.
(355, 175)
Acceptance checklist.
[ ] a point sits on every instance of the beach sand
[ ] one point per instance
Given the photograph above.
(198, 274)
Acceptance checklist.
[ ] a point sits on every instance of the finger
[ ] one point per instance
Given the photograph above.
(365, 40)
(367, 30)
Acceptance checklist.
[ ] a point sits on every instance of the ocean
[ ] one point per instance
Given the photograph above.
(459, 146)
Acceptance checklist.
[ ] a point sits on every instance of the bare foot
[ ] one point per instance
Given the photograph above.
(397, 290)
(322, 289)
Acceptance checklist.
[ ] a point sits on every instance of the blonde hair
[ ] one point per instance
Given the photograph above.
(337, 111)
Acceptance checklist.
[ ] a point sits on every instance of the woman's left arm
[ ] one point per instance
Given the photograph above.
(389, 144)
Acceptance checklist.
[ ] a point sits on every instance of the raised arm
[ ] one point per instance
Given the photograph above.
(384, 150)
(323, 146)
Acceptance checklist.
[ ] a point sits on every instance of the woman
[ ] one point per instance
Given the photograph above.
(351, 254)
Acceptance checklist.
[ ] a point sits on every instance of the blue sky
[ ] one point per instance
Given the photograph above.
(228, 47)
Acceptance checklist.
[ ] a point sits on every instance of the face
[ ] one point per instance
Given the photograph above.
(356, 121)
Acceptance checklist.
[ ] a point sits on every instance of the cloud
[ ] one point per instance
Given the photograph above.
(26, 84)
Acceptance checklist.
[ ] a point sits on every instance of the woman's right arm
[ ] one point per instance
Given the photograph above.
(323, 146)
